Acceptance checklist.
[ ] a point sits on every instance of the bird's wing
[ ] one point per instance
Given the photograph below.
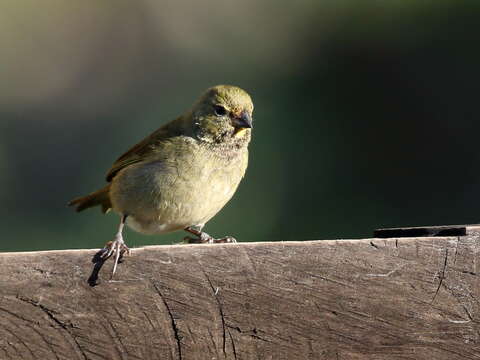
(144, 148)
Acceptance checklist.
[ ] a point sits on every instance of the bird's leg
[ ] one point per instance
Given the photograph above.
(203, 237)
(117, 246)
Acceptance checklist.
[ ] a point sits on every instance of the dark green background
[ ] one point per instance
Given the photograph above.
(367, 113)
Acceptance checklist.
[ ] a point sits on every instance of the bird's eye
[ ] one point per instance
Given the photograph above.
(220, 110)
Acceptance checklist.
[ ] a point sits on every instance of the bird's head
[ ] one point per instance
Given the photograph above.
(223, 114)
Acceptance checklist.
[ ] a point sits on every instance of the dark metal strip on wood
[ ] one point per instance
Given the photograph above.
(424, 231)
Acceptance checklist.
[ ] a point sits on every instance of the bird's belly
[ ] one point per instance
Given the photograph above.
(159, 199)
(151, 226)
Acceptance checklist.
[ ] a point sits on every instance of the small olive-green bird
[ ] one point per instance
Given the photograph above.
(182, 174)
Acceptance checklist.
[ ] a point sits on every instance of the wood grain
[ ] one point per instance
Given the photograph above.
(405, 298)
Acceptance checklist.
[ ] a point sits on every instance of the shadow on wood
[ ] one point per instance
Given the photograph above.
(405, 298)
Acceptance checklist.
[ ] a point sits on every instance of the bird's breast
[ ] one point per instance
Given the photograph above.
(183, 190)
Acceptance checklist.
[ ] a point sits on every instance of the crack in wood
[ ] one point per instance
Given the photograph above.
(20, 340)
(249, 259)
(66, 327)
(467, 312)
(101, 356)
(113, 332)
(222, 316)
(212, 338)
(456, 250)
(388, 273)
(131, 333)
(4, 349)
(18, 316)
(172, 320)
(15, 349)
(462, 305)
(148, 319)
(233, 345)
(255, 336)
(112, 339)
(442, 276)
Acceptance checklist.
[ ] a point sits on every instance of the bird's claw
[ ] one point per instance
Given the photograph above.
(110, 249)
(226, 239)
(115, 247)
(209, 240)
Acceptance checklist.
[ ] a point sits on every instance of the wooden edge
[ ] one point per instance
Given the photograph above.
(277, 243)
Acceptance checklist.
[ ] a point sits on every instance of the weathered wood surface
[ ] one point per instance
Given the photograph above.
(408, 298)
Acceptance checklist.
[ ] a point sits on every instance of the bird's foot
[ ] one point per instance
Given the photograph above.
(117, 248)
(204, 238)
(117, 245)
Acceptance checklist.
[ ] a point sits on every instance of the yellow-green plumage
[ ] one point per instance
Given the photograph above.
(186, 171)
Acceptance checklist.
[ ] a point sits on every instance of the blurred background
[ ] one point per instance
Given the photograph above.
(367, 113)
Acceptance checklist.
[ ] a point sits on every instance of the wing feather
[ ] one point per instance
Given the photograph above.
(146, 147)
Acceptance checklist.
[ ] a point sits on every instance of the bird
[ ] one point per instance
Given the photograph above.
(182, 174)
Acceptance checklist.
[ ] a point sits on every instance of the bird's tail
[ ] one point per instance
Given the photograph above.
(100, 197)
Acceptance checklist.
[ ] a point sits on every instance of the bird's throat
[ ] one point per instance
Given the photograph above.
(240, 132)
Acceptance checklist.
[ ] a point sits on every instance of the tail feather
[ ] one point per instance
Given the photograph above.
(100, 197)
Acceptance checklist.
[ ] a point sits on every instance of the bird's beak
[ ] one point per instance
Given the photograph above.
(243, 121)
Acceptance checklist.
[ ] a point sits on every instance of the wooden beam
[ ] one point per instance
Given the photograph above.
(401, 298)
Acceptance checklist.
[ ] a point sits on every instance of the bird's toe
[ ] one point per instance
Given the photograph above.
(226, 239)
